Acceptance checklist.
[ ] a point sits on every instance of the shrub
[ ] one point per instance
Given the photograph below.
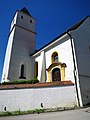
(33, 81)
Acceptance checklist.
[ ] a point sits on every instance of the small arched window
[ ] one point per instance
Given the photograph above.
(22, 72)
(30, 21)
(35, 69)
(22, 17)
(54, 57)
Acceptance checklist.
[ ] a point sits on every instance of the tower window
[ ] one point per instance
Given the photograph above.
(22, 72)
(22, 16)
(30, 21)
(89, 48)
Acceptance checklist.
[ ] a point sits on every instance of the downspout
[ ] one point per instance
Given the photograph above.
(75, 74)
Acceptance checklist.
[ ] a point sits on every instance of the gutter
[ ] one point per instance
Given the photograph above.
(75, 74)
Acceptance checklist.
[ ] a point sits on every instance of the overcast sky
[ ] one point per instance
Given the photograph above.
(53, 18)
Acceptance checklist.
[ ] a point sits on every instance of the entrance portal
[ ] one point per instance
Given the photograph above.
(56, 76)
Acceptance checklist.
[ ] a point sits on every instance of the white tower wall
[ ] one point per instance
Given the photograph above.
(21, 43)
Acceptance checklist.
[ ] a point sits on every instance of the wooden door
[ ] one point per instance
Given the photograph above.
(56, 76)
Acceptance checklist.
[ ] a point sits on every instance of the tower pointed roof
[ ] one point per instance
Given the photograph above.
(25, 10)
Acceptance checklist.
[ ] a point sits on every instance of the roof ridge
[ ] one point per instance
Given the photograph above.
(78, 24)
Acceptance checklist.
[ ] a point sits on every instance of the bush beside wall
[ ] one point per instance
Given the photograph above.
(33, 81)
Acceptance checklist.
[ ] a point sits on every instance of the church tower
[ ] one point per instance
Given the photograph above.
(21, 43)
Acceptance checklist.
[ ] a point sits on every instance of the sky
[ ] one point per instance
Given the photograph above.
(53, 18)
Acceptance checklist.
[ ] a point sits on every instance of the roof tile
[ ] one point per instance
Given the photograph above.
(37, 85)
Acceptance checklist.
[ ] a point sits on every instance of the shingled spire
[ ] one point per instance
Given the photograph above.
(25, 10)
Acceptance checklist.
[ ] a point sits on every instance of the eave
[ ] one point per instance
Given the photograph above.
(60, 36)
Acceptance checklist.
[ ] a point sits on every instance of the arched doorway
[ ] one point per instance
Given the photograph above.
(56, 75)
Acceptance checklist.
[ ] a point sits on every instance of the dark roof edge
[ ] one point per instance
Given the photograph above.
(77, 24)
(48, 43)
(26, 14)
(25, 10)
(70, 29)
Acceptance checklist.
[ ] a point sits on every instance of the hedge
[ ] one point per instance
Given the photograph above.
(33, 81)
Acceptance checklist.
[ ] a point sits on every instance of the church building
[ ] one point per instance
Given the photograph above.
(65, 58)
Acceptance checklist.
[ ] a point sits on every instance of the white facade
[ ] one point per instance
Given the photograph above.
(64, 50)
(30, 99)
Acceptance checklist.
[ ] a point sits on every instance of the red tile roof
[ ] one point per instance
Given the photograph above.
(37, 85)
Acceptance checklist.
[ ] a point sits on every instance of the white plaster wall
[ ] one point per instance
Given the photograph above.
(85, 90)
(25, 22)
(81, 37)
(7, 57)
(26, 99)
(14, 21)
(21, 43)
(23, 46)
(43, 67)
(39, 60)
(63, 48)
